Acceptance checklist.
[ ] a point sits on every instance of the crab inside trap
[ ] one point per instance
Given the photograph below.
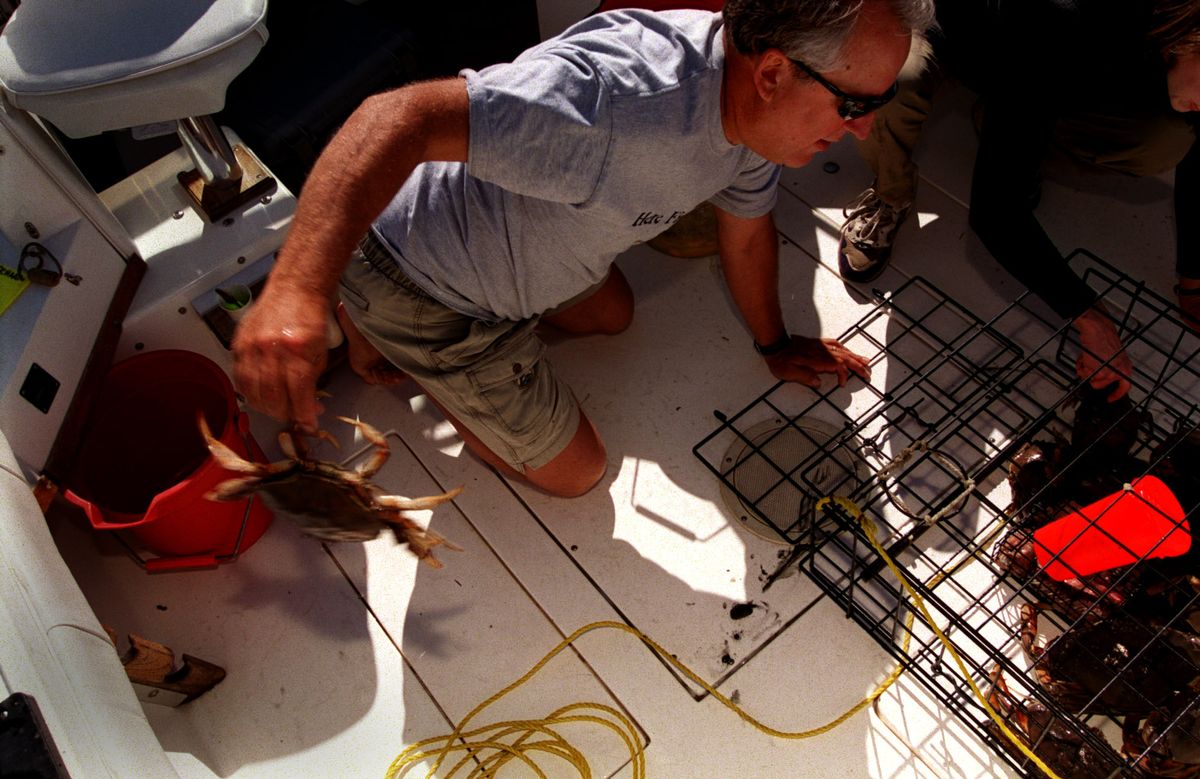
(143, 466)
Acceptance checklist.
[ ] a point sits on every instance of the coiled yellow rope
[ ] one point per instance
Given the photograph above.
(503, 752)
(493, 747)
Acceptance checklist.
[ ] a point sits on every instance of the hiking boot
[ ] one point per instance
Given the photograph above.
(867, 236)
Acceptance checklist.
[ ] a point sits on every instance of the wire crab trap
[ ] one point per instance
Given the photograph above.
(1018, 542)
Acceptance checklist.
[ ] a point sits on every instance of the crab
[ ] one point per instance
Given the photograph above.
(1048, 476)
(1167, 742)
(1031, 478)
(1064, 749)
(1118, 665)
(1130, 640)
(1085, 600)
(1173, 597)
(327, 501)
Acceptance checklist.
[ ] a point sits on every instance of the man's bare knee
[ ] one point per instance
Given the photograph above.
(570, 485)
(607, 311)
(619, 304)
(577, 469)
(618, 318)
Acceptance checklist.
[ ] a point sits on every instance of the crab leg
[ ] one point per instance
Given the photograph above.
(413, 504)
(1000, 699)
(234, 488)
(382, 452)
(419, 540)
(226, 457)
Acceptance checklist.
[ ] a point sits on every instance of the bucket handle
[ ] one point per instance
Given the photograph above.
(181, 563)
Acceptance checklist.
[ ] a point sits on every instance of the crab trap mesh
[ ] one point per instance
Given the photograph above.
(1043, 533)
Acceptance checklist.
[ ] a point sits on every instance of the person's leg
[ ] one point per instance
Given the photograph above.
(571, 473)
(491, 380)
(1145, 146)
(606, 310)
(1133, 145)
(693, 235)
(365, 360)
(888, 150)
(873, 219)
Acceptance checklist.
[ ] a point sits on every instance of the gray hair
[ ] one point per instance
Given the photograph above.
(814, 31)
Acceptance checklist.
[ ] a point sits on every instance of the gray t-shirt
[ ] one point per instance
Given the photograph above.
(583, 146)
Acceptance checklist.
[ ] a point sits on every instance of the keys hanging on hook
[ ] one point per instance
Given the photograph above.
(40, 265)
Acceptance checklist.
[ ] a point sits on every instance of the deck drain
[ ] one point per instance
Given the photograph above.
(778, 508)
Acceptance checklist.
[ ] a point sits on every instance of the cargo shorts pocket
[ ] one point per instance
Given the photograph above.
(518, 368)
(518, 389)
(505, 381)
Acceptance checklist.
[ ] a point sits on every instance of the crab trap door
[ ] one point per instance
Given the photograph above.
(143, 465)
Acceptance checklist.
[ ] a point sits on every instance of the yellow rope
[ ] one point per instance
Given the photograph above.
(505, 752)
(490, 753)
(869, 528)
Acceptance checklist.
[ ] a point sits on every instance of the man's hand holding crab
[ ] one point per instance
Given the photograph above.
(279, 352)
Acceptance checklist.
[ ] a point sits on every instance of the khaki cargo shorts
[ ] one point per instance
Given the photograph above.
(493, 378)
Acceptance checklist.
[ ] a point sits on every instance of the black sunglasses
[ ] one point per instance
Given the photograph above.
(852, 106)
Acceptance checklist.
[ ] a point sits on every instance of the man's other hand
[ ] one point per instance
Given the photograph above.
(1102, 359)
(806, 358)
(1188, 291)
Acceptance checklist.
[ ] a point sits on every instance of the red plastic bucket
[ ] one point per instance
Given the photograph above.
(143, 466)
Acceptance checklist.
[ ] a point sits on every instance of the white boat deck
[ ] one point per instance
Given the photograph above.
(340, 656)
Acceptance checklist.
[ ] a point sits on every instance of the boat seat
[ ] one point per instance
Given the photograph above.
(53, 648)
(92, 67)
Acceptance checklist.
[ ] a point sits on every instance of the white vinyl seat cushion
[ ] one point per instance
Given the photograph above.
(90, 67)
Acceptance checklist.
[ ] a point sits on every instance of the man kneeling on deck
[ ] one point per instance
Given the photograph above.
(459, 214)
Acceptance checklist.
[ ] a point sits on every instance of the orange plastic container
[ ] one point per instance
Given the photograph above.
(1141, 522)
(143, 466)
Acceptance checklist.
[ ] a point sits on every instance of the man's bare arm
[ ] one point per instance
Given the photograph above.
(279, 350)
(750, 261)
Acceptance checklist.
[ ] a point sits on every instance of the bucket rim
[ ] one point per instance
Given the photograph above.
(198, 369)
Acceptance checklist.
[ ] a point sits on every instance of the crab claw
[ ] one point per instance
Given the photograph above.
(419, 540)
(376, 438)
(225, 457)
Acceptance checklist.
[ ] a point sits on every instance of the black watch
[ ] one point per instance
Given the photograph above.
(775, 347)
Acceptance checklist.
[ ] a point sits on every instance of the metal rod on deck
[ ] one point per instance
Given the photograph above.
(210, 150)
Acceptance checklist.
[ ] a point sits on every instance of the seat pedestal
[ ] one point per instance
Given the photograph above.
(217, 199)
